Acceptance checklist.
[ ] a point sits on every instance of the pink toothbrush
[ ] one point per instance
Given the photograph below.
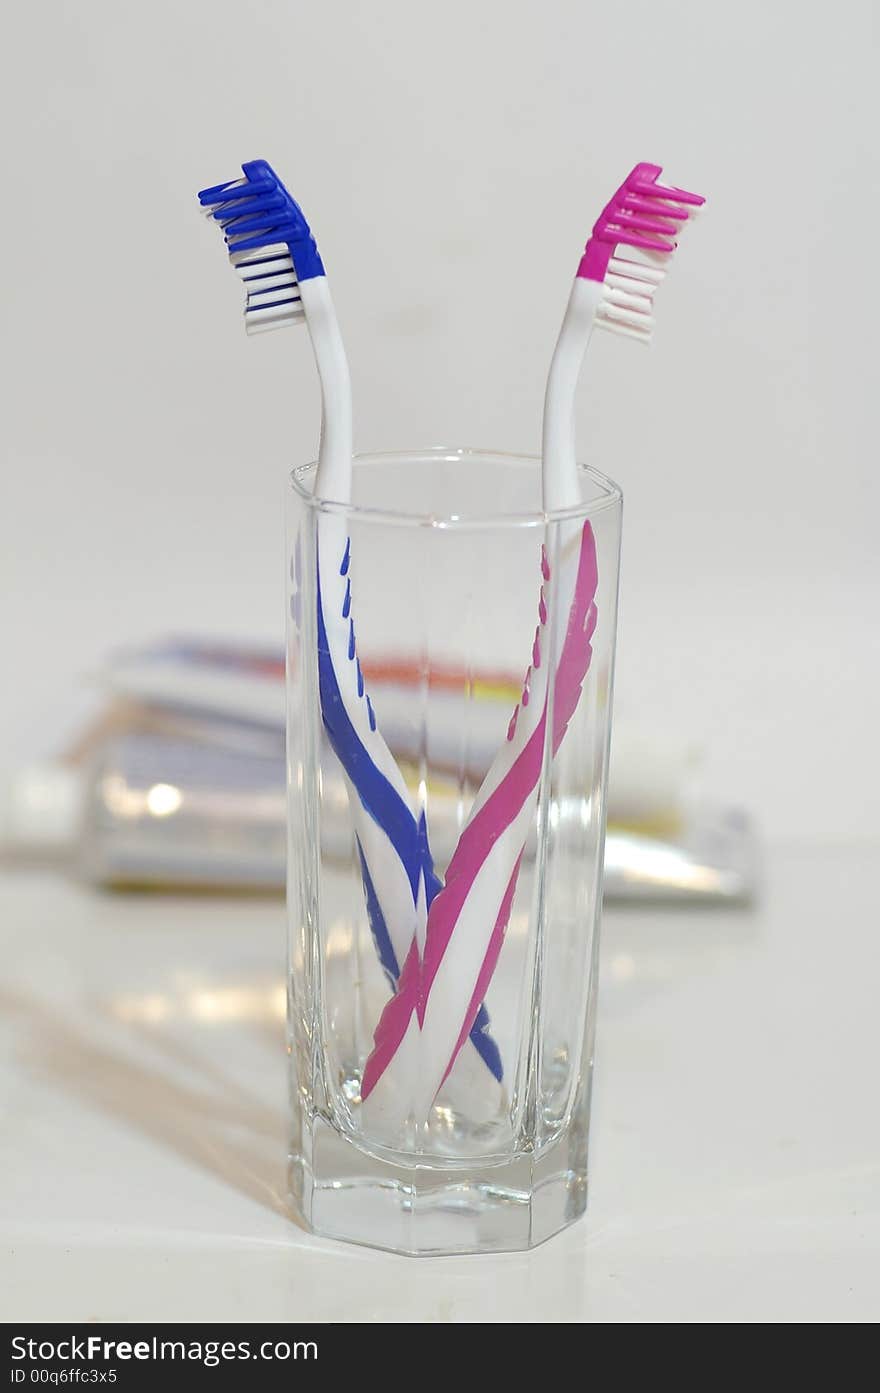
(425, 1025)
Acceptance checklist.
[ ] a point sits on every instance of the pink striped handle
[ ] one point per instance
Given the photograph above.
(507, 809)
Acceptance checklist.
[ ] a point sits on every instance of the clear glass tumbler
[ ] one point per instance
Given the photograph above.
(450, 666)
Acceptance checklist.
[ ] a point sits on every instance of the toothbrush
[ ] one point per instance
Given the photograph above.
(422, 1029)
(272, 248)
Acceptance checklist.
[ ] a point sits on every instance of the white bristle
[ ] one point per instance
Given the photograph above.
(259, 299)
(614, 296)
(273, 295)
(273, 317)
(632, 265)
(630, 286)
(265, 327)
(254, 270)
(643, 335)
(286, 280)
(254, 254)
(637, 319)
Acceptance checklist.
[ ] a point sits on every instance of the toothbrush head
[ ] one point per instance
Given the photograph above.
(270, 244)
(630, 245)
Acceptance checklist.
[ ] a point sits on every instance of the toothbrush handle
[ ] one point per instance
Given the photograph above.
(468, 918)
(396, 864)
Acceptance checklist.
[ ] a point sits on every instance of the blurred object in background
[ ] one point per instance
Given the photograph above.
(181, 784)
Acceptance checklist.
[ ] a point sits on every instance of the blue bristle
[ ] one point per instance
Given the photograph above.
(261, 213)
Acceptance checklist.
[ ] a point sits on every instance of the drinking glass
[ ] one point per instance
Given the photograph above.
(450, 563)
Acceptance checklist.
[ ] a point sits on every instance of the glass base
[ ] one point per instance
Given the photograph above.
(344, 1193)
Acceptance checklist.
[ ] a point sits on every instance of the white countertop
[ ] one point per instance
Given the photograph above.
(736, 1135)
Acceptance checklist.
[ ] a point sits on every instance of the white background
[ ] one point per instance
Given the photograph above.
(452, 159)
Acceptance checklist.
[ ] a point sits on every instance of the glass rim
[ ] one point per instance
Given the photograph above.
(611, 495)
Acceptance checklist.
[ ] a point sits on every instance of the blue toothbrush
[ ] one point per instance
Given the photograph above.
(272, 248)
